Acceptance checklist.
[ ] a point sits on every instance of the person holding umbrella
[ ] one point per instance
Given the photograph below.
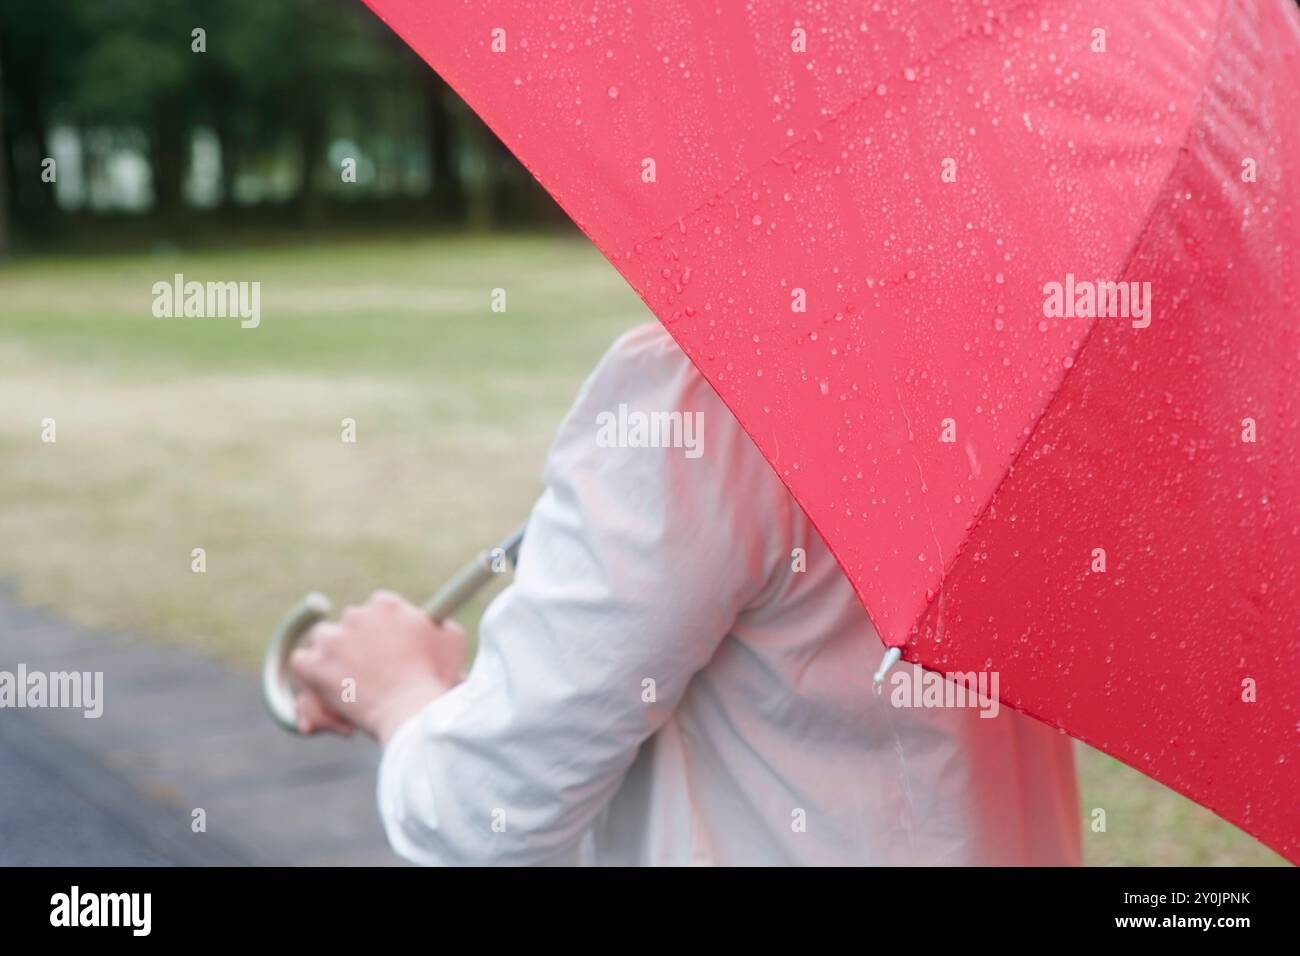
(1002, 293)
(680, 673)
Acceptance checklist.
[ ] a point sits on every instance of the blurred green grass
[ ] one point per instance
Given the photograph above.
(182, 433)
(395, 307)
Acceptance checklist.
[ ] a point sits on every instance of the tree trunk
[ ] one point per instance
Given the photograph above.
(479, 207)
(228, 148)
(25, 147)
(4, 173)
(311, 144)
(446, 189)
(169, 149)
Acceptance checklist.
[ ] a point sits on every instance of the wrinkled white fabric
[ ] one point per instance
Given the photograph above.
(763, 743)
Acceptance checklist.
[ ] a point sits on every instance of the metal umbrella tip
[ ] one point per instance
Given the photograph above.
(886, 664)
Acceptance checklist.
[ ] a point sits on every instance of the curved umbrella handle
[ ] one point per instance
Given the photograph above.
(277, 689)
(277, 686)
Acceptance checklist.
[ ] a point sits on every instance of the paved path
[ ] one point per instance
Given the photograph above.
(178, 732)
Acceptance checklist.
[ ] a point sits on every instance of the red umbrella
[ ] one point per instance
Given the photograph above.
(1005, 292)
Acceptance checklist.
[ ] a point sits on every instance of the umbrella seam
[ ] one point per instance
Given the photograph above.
(1183, 151)
(1140, 237)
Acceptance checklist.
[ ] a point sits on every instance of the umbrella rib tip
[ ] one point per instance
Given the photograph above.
(886, 663)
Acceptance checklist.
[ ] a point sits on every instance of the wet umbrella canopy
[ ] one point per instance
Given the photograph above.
(1005, 292)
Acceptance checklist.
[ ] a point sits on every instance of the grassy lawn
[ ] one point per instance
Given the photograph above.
(175, 434)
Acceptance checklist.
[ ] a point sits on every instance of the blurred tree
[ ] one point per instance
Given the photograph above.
(283, 70)
(137, 73)
(279, 88)
(445, 183)
(4, 177)
(223, 80)
(40, 41)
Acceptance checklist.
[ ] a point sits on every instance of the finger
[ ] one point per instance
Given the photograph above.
(313, 716)
(307, 713)
(450, 625)
(307, 665)
(323, 634)
(453, 636)
(386, 599)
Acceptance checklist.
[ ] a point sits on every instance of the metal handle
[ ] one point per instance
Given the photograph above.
(277, 686)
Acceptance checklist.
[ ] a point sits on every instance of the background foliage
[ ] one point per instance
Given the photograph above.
(252, 131)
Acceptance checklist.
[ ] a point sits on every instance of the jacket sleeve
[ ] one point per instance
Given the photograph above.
(635, 564)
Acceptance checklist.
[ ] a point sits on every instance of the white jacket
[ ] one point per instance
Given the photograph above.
(659, 686)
